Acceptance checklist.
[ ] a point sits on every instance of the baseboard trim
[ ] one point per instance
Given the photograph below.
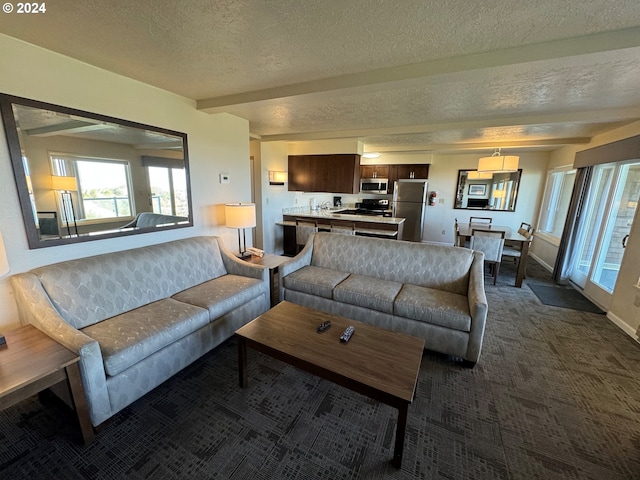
(622, 325)
(545, 265)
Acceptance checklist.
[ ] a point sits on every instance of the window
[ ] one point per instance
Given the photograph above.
(555, 204)
(102, 186)
(168, 190)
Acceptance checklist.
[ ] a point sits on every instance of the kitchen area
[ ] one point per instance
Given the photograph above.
(385, 201)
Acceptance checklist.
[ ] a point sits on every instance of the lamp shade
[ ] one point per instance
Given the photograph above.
(4, 263)
(498, 163)
(473, 175)
(240, 215)
(64, 183)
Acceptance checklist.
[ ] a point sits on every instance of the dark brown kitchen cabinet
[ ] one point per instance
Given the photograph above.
(332, 173)
(374, 171)
(407, 171)
(413, 171)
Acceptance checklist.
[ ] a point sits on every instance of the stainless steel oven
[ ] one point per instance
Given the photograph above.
(374, 185)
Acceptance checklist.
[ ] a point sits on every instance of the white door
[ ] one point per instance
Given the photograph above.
(604, 226)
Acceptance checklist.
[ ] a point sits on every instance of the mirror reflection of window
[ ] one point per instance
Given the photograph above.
(168, 191)
(102, 186)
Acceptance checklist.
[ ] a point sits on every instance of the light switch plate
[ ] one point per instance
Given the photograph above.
(225, 178)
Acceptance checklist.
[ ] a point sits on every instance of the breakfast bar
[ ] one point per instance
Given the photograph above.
(365, 225)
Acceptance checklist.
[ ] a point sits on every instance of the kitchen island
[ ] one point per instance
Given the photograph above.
(365, 225)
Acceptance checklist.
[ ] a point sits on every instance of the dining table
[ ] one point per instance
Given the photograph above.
(510, 235)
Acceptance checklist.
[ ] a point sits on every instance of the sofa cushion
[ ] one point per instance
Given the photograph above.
(132, 336)
(88, 290)
(433, 266)
(434, 306)
(222, 295)
(368, 292)
(315, 280)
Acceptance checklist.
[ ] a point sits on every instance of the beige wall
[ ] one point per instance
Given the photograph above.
(217, 143)
(443, 177)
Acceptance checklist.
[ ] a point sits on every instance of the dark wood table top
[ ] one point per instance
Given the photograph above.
(29, 356)
(386, 361)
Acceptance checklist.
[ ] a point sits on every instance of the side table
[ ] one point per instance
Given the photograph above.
(31, 362)
(272, 262)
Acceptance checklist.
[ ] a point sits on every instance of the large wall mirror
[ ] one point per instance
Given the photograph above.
(83, 176)
(490, 191)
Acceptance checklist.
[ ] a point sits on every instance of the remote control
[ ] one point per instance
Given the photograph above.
(323, 326)
(346, 335)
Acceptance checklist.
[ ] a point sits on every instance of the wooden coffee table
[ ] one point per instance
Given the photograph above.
(380, 364)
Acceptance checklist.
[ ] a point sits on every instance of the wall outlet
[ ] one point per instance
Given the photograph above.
(225, 178)
(443, 232)
(441, 201)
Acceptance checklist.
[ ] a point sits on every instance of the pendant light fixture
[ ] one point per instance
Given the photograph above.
(498, 163)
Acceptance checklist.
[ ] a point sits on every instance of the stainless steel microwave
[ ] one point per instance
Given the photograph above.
(374, 185)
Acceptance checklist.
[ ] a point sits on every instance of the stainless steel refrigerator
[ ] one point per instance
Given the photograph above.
(409, 202)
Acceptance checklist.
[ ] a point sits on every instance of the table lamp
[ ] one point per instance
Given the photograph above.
(241, 216)
(4, 269)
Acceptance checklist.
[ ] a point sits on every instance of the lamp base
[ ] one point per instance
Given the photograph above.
(3, 341)
(243, 255)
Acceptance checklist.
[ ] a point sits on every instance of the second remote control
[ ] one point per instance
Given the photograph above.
(346, 335)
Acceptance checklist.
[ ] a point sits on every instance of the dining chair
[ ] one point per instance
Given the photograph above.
(457, 242)
(524, 227)
(343, 229)
(480, 220)
(513, 250)
(491, 243)
(304, 229)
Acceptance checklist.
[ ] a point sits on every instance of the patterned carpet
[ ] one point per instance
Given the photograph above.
(556, 395)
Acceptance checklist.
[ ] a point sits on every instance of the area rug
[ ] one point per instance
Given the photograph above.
(563, 297)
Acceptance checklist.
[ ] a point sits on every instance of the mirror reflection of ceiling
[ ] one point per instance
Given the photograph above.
(36, 122)
(436, 76)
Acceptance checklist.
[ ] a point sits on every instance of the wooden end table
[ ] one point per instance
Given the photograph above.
(272, 262)
(378, 363)
(31, 362)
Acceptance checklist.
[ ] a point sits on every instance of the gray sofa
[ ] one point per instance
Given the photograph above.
(428, 291)
(139, 316)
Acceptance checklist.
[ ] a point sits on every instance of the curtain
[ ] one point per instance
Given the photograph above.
(567, 242)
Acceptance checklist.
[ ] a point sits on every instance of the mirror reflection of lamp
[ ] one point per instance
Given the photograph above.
(65, 185)
(4, 269)
(240, 216)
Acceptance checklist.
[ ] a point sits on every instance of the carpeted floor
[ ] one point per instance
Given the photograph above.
(555, 396)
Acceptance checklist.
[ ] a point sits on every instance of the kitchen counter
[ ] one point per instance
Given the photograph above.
(365, 225)
(328, 214)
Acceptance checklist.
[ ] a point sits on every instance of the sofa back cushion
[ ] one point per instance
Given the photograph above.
(88, 290)
(434, 266)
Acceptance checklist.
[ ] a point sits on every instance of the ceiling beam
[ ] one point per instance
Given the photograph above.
(561, 118)
(555, 49)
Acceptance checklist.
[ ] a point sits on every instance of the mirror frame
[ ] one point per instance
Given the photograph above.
(455, 197)
(15, 154)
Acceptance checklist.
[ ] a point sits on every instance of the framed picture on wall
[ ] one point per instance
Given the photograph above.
(477, 190)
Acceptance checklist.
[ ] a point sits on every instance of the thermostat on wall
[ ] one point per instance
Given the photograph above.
(225, 178)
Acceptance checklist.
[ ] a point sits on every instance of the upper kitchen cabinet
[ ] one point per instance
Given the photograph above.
(412, 171)
(374, 171)
(333, 173)
(408, 171)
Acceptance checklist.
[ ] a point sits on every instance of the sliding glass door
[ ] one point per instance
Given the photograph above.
(604, 225)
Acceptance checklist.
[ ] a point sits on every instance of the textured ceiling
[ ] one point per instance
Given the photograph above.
(409, 74)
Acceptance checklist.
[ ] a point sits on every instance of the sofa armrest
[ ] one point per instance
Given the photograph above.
(302, 259)
(235, 266)
(477, 306)
(35, 307)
